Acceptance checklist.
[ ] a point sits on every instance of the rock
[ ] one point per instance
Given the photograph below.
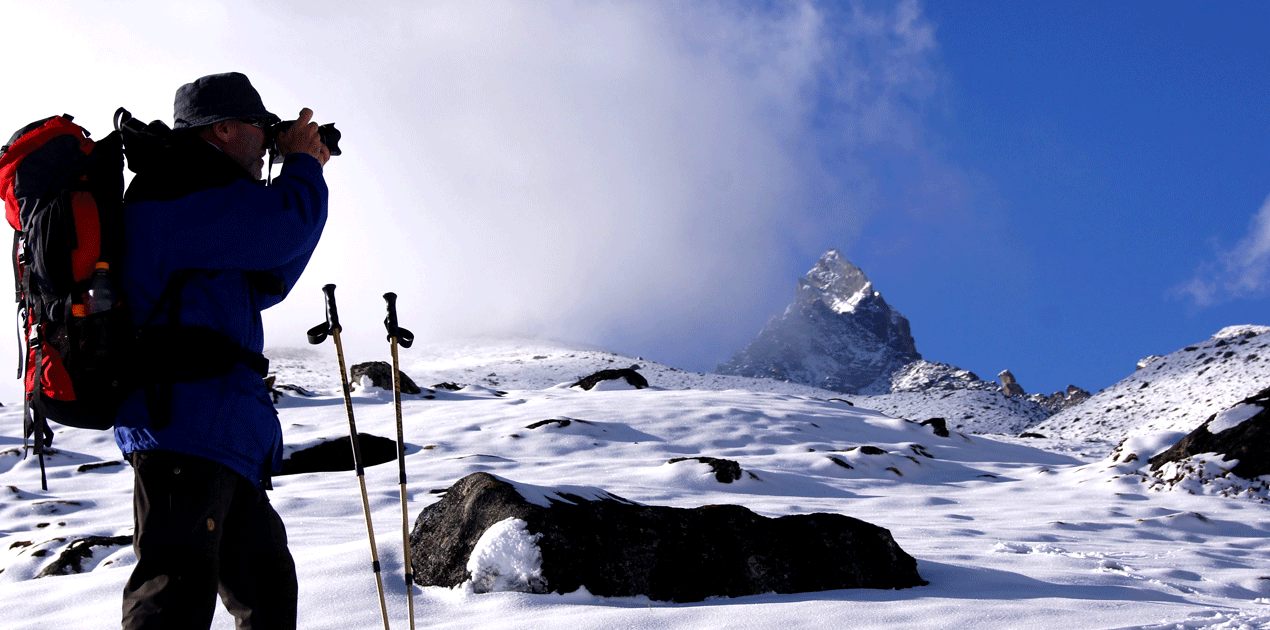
(336, 455)
(923, 375)
(633, 378)
(380, 373)
(71, 560)
(1010, 384)
(838, 334)
(938, 425)
(1241, 432)
(725, 470)
(1059, 401)
(573, 537)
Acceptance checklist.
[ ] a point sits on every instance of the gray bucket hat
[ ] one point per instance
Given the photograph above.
(217, 97)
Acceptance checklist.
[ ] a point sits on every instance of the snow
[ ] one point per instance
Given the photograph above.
(1233, 417)
(1060, 533)
(506, 558)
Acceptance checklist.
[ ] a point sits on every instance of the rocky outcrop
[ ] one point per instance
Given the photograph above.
(632, 378)
(1059, 401)
(923, 375)
(1240, 433)
(379, 374)
(1010, 385)
(501, 535)
(838, 334)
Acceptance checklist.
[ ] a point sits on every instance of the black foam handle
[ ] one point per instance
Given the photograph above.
(390, 321)
(404, 337)
(332, 313)
(317, 334)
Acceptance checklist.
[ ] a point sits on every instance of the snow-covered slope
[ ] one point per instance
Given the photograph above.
(966, 410)
(925, 390)
(511, 364)
(1009, 535)
(1176, 392)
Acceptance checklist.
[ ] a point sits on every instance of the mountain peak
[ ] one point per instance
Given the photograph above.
(838, 334)
(834, 280)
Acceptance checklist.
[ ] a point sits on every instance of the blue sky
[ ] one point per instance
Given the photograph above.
(1055, 188)
(1115, 153)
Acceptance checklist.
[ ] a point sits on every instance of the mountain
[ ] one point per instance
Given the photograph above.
(1176, 392)
(838, 334)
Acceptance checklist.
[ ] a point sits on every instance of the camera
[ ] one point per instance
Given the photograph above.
(329, 135)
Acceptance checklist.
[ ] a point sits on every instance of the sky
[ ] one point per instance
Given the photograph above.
(1056, 189)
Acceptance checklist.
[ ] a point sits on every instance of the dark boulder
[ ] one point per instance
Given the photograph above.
(633, 378)
(617, 548)
(380, 373)
(1242, 433)
(938, 425)
(336, 455)
(725, 470)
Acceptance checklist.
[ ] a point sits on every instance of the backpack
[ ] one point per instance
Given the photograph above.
(63, 196)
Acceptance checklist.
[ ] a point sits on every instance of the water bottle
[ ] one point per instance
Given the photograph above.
(101, 293)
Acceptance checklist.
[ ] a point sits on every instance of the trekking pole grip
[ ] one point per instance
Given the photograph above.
(318, 333)
(390, 322)
(332, 313)
(404, 337)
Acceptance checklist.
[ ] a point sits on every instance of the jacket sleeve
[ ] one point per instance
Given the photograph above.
(289, 274)
(247, 226)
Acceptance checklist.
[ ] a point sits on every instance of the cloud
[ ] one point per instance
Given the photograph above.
(646, 176)
(630, 174)
(1240, 272)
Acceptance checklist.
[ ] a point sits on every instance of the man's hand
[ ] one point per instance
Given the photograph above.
(303, 137)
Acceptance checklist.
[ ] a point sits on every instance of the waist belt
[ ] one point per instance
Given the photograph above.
(174, 353)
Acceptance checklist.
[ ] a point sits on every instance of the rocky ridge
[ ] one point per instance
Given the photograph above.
(1175, 392)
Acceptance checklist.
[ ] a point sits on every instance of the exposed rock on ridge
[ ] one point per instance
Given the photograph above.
(838, 334)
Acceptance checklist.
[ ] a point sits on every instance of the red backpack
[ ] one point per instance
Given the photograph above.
(63, 196)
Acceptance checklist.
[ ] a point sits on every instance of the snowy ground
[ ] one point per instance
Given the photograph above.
(1008, 534)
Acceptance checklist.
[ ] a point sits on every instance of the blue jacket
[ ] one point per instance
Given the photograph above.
(232, 231)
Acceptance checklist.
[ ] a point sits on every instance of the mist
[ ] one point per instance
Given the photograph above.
(646, 177)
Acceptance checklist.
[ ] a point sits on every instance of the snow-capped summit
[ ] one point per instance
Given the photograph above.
(840, 284)
(838, 334)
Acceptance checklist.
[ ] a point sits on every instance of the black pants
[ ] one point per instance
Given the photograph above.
(201, 528)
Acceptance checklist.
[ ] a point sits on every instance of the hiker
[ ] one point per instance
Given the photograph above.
(208, 246)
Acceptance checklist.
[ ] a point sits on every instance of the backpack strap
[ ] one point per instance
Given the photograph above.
(215, 354)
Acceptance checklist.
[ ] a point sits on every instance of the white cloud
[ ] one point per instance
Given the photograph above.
(1242, 271)
(642, 175)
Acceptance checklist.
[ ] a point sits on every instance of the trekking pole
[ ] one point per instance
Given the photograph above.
(400, 336)
(317, 335)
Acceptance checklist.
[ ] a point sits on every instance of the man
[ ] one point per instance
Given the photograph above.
(208, 246)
